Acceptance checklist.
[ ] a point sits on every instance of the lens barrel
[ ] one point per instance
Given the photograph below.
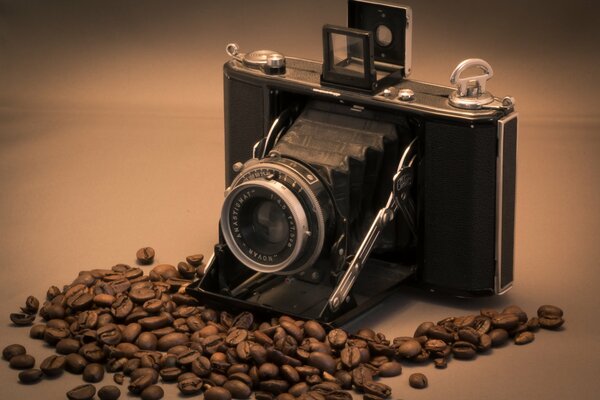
(276, 215)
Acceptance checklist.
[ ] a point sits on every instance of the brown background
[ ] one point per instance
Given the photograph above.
(111, 139)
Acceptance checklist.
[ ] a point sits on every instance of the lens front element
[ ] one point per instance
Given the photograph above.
(274, 217)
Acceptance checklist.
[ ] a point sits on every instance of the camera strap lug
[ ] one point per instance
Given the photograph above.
(399, 199)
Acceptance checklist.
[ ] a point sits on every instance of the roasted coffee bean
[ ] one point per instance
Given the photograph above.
(152, 305)
(32, 305)
(337, 338)
(93, 373)
(52, 292)
(131, 332)
(147, 341)
(30, 376)
(189, 385)
(524, 337)
(188, 357)
(533, 324)
(37, 331)
(119, 378)
(482, 324)
(170, 374)
(378, 389)
(498, 337)
(22, 361)
(141, 371)
(440, 363)
(522, 315)
(145, 255)
(344, 378)
(505, 321)
(109, 392)
(423, 328)
(287, 396)
(121, 307)
(195, 259)
(243, 320)
(75, 363)
(463, 350)
(92, 352)
(53, 365)
(485, 343)
(410, 348)
(152, 392)
(417, 381)
(13, 350)
(390, 368)
(469, 334)
(238, 389)
(236, 336)
(293, 330)
(52, 311)
(53, 335)
(67, 346)
(274, 386)
(350, 357)
(109, 334)
(137, 385)
(104, 300)
(322, 361)
(80, 301)
(299, 389)
(186, 270)
(314, 329)
(83, 392)
(361, 375)
(439, 332)
(217, 393)
(22, 319)
(547, 311)
(141, 295)
(268, 371)
(551, 322)
(155, 322)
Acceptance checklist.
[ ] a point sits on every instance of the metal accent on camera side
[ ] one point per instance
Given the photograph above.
(269, 61)
(505, 202)
(470, 93)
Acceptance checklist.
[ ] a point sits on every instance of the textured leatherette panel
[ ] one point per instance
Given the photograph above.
(459, 206)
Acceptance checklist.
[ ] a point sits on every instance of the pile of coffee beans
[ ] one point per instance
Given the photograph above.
(144, 327)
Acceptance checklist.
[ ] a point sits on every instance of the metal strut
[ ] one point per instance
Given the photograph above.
(399, 199)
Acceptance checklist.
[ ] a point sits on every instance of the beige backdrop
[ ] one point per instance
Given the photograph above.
(111, 139)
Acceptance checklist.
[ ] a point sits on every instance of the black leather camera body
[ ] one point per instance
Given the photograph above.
(345, 179)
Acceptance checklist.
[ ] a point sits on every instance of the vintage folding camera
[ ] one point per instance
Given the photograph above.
(345, 179)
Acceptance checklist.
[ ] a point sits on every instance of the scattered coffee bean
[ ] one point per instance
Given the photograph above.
(75, 363)
(13, 350)
(390, 368)
(195, 260)
(22, 361)
(93, 373)
(53, 365)
(83, 392)
(32, 305)
(440, 363)
(152, 392)
(109, 392)
(30, 376)
(22, 319)
(524, 337)
(145, 255)
(417, 381)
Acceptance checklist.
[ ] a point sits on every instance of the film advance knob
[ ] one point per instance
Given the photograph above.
(275, 64)
(470, 91)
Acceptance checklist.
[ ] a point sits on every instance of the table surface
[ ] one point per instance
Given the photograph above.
(86, 190)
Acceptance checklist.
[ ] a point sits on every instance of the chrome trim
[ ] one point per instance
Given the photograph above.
(296, 210)
(498, 289)
(408, 42)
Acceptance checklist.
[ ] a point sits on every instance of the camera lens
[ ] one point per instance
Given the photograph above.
(265, 227)
(275, 216)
